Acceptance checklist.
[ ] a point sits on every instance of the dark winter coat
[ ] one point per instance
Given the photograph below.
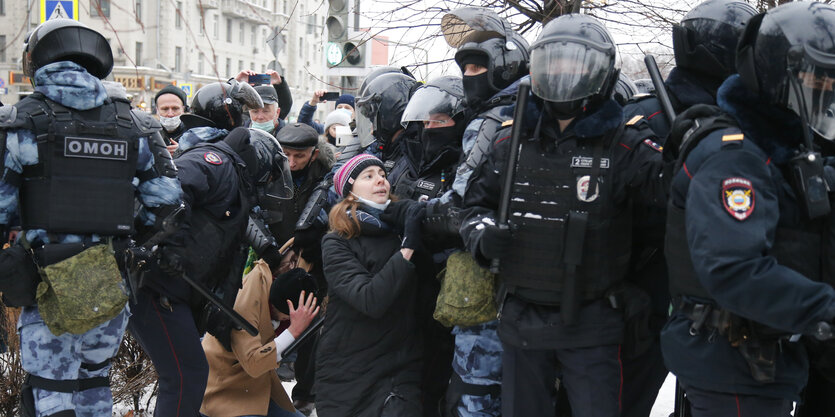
(370, 344)
(733, 258)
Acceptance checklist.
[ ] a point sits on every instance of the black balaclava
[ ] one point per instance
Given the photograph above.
(477, 88)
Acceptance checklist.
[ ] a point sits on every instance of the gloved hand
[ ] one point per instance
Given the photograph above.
(308, 242)
(396, 213)
(170, 262)
(495, 242)
(411, 226)
(219, 325)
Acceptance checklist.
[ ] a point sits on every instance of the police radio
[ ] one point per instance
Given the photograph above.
(809, 183)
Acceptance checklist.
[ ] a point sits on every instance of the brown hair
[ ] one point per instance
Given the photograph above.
(343, 218)
(341, 222)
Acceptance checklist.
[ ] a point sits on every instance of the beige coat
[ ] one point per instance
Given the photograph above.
(243, 381)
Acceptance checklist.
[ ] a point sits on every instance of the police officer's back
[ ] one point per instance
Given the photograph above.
(69, 157)
(746, 236)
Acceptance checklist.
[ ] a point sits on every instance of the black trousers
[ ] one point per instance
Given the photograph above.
(170, 338)
(643, 377)
(717, 404)
(306, 370)
(591, 377)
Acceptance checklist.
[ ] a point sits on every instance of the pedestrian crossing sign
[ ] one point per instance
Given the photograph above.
(187, 88)
(59, 9)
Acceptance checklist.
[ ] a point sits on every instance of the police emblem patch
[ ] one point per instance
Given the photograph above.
(212, 158)
(583, 189)
(654, 145)
(738, 197)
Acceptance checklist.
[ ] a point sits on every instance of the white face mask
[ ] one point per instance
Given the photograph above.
(369, 203)
(170, 123)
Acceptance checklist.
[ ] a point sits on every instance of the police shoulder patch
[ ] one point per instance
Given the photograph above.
(212, 158)
(738, 197)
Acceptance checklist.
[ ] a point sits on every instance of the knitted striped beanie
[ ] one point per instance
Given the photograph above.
(345, 176)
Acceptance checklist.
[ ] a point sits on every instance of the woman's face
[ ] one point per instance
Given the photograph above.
(372, 185)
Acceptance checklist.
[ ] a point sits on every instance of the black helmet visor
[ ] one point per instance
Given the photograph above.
(567, 71)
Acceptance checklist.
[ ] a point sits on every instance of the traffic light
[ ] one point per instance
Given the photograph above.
(340, 51)
(337, 22)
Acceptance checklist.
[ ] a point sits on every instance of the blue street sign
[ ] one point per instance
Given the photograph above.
(59, 9)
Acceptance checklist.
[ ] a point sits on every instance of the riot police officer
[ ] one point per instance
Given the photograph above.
(69, 156)
(565, 255)
(378, 114)
(426, 170)
(223, 179)
(745, 283)
(492, 59)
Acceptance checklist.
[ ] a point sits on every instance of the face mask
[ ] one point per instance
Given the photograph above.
(331, 139)
(265, 126)
(477, 90)
(369, 203)
(170, 123)
(565, 110)
(434, 141)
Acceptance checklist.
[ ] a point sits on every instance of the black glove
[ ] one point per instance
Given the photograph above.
(495, 242)
(411, 226)
(219, 325)
(308, 242)
(396, 213)
(170, 262)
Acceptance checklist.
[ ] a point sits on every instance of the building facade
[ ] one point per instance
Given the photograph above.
(185, 42)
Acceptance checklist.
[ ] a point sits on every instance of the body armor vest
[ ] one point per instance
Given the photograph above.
(82, 183)
(549, 185)
(424, 188)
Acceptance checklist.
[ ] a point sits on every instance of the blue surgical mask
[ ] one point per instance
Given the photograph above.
(369, 203)
(265, 126)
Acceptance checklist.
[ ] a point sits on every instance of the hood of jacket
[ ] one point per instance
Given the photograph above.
(70, 85)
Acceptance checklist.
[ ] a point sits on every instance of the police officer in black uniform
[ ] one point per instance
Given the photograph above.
(223, 178)
(580, 170)
(750, 224)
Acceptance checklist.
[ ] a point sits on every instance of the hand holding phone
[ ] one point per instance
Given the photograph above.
(258, 79)
(330, 95)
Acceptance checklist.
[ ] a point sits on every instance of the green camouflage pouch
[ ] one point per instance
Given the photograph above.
(467, 295)
(81, 292)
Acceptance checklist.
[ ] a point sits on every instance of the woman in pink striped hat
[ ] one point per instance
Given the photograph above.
(369, 354)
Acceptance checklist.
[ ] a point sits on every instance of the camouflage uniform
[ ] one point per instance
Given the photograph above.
(61, 357)
(478, 361)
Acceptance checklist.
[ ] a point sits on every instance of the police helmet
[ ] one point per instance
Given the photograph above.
(224, 103)
(705, 40)
(573, 65)
(444, 95)
(787, 57)
(381, 106)
(482, 36)
(376, 72)
(625, 89)
(270, 170)
(67, 40)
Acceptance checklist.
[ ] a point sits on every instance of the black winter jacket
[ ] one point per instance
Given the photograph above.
(370, 344)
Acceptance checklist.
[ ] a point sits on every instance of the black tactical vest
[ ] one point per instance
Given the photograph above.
(424, 188)
(548, 186)
(82, 183)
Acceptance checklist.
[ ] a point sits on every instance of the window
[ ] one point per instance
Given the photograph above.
(215, 25)
(137, 11)
(253, 35)
(178, 16)
(263, 68)
(3, 52)
(241, 32)
(228, 30)
(138, 55)
(103, 5)
(200, 64)
(301, 47)
(311, 24)
(228, 67)
(2, 7)
(201, 23)
(252, 66)
(178, 59)
(240, 65)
